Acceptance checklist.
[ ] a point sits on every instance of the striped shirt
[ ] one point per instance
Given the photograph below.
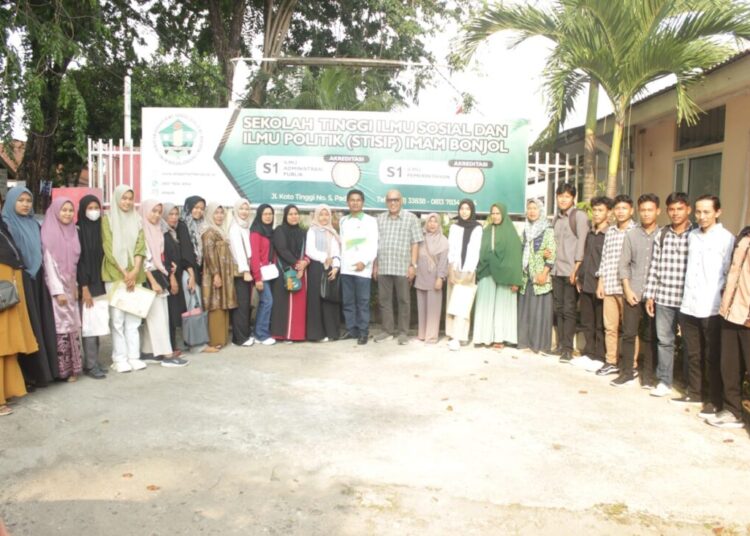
(666, 276)
(609, 265)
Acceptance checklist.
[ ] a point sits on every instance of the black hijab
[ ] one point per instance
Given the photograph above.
(92, 249)
(9, 252)
(258, 226)
(468, 225)
(288, 240)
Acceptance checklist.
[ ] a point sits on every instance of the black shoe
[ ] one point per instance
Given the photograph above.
(623, 380)
(607, 369)
(566, 357)
(96, 373)
(348, 335)
(685, 400)
(362, 340)
(708, 411)
(555, 351)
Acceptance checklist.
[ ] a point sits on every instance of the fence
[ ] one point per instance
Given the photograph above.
(113, 164)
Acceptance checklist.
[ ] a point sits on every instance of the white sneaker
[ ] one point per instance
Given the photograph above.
(137, 364)
(121, 366)
(593, 365)
(661, 390)
(249, 342)
(581, 361)
(269, 341)
(454, 345)
(725, 419)
(325, 339)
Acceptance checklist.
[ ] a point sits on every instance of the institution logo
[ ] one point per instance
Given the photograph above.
(178, 139)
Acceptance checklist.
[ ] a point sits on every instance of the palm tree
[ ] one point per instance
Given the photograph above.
(625, 45)
(339, 88)
(561, 94)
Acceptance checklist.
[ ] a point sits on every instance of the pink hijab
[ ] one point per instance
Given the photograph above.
(153, 234)
(61, 241)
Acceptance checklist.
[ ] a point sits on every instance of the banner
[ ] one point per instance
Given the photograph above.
(309, 157)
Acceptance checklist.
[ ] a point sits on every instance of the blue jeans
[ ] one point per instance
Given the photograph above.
(355, 297)
(263, 314)
(667, 319)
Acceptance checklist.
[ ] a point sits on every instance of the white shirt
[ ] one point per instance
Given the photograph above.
(359, 243)
(239, 242)
(316, 254)
(455, 242)
(709, 257)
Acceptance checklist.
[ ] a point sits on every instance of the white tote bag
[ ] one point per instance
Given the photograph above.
(269, 272)
(95, 320)
(462, 299)
(137, 302)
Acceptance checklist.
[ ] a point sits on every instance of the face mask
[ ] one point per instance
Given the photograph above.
(93, 215)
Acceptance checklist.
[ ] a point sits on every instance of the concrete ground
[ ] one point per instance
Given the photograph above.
(337, 439)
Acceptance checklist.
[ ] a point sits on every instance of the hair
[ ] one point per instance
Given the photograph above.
(623, 198)
(649, 198)
(566, 188)
(602, 200)
(355, 192)
(710, 197)
(678, 197)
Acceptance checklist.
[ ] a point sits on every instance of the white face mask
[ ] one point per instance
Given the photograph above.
(93, 215)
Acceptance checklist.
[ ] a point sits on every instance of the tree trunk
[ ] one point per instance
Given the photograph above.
(276, 27)
(614, 156)
(589, 144)
(227, 39)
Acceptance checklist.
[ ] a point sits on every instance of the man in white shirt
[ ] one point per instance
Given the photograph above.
(709, 255)
(359, 247)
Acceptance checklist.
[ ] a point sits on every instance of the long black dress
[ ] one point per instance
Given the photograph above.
(323, 317)
(42, 366)
(175, 302)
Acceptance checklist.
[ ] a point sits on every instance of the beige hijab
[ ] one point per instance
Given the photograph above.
(125, 227)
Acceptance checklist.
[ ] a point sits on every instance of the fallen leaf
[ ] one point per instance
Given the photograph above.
(152, 487)
(687, 410)
(557, 446)
(729, 441)
(127, 475)
(444, 399)
(486, 362)
(514, 356)
(105, 421)
(583, 392)
(718, 530)
(483, 379)
(449, 408)
(416, 375)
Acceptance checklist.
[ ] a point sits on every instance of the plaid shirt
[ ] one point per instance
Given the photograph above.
(666, 276)
(609, 265)
(395, 238)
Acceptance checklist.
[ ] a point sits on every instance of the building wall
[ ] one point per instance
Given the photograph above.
(655, 158)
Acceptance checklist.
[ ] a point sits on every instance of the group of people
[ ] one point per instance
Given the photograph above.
(634, 285)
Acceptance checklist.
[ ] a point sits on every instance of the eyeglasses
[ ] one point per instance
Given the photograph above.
(393, 199)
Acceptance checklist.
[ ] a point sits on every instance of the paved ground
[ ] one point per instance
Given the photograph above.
(338, 439)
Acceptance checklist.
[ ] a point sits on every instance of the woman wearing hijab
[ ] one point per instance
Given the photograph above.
(219, 296)
(499, 274)
(261, 233)
(62, 250)
(40, 367)
(464, 240)
(535, 298)
(176, 264)
(189, 231)
(323, 248)
(124, 250)
(156, 344)
(16, 335)
(239, 238)
(289, 308)
(89, 276)
(432, 269)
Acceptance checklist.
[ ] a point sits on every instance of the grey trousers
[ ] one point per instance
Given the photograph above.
(386, 286)
(90, 353)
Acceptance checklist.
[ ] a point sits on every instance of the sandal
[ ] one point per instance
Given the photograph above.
(498, 346)
(5, 410)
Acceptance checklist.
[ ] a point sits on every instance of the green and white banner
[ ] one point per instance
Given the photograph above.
(311, 157)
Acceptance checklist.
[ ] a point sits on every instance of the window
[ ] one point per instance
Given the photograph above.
(698, 176)
(709, 129)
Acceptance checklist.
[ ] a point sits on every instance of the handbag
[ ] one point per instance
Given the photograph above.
(330, 290)
(95, 320)
(8, 295)
(461, 300)
(269, 272)
(292, 283)
(195, 324)
(137, 302)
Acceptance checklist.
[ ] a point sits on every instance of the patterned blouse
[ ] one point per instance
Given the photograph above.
(537, 262)
(217, 259)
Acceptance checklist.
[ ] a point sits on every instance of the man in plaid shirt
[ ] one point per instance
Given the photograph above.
(665, 286)
(610, 287)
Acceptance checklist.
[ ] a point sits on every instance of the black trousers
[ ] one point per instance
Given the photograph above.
(735, 363)
(633, 317)
(702, 339)
(241, 330)
(564, 297)
(592, 325)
